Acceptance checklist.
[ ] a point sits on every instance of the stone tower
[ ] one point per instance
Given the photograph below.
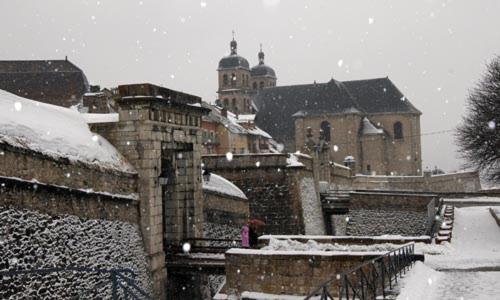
(234, 82)
(262, 74)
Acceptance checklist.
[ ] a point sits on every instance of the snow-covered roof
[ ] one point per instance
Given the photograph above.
(293, 161)
(55, 131)
(221, 185)
(370, 128)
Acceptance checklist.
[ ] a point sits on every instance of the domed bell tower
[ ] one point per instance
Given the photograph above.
(234, 81)
(262, 75)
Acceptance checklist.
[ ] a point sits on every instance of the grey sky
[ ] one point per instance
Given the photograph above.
(432, 50)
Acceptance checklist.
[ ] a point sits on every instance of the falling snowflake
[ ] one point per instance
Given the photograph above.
(335, 148)
(203, 4)
(229, 156)
(257, 164)
(186, 247)
(340, 63)
(492, 125)
(370, 20)
(95, 138)
(18, 106)
(172, 76)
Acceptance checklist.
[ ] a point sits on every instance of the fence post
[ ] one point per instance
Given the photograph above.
(114, 286)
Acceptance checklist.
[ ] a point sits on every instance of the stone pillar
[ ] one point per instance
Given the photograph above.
(162, 140)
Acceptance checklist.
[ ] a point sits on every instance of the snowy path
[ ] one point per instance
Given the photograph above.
(475, 245)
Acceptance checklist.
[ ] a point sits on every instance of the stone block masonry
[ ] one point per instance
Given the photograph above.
(273, 189)
(159, 133)
(286, 272)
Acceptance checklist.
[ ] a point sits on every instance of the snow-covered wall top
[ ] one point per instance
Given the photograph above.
(221, 185)
(55, 131)
(33, 240)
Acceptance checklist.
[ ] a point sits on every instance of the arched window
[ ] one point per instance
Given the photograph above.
(261, 85)
(225, 79)
(226, 103)
(255, 85)
(325, 126)
(233, 79)
(234, 103)
(398, 130)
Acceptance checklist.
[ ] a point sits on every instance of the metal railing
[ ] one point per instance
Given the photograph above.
(123, 284)
(370, 279)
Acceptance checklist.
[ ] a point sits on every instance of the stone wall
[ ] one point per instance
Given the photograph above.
(33, 240)
(284, 272)
(30, 165)
(55, 200)
(224, 215)
(444, 183)
(272, 188)
(404, 214)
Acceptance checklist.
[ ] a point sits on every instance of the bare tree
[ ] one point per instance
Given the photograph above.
(478, 136)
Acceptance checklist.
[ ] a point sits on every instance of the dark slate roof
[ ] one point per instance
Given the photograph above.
(233, 61)
(57, 82)
(277, 106)
(379, 95)
(262, 70)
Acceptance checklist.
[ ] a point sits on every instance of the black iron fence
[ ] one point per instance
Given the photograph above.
(370, 279)
(123, 281)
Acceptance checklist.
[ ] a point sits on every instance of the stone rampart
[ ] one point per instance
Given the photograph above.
(274, 189)
(372, 214)
(30, 165)
(56, 200)
(443, 183)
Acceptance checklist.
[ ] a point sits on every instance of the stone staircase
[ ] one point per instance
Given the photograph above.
(335, 202)
(444, 233)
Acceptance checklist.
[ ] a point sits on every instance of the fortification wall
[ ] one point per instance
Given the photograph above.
(444, 183)
(372, 214)
(273, 189)
(34, 166)
(224, 215)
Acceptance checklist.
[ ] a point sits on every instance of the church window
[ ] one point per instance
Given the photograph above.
(233, 79)
(368, 169)
(398, 130)
(226, 103)
(255, 85)
(225, 79)
(326, 128)
(234, 103)
(261, 85)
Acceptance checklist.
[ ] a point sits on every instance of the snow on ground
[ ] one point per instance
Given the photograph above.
(458, 273)
(55, 131)
(493, 200)
(221, 185)
(475, 241)
(293, 161)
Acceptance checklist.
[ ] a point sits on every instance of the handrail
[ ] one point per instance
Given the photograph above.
(117, 277)
(369, 279)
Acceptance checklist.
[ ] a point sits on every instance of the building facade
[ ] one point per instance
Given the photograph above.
(368, 122)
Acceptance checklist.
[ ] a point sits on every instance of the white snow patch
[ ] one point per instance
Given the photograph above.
(293, 161)
(420, 283)
(221, 185)
(54, 131)
(311, 207)
(101, 118)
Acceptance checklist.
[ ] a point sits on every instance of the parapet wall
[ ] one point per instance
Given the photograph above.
(286, 272)
(444, 183)
(30, 165)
